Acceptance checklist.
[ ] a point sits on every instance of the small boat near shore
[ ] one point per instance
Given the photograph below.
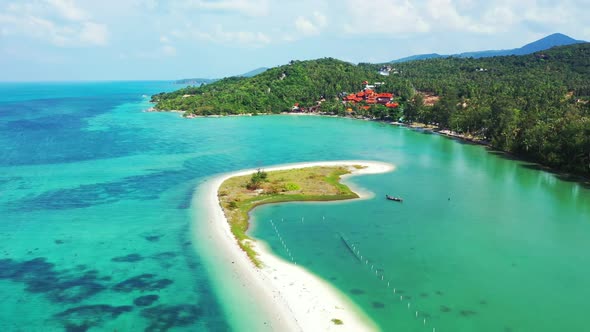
(396, 199)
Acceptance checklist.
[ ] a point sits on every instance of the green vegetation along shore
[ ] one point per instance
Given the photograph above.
(534, 106)
(240, 194)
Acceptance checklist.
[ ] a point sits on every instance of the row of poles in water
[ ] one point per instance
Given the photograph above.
(365, 261)
(357, 253)
(283, 240)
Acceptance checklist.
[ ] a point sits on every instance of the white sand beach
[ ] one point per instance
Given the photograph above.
(280, 296)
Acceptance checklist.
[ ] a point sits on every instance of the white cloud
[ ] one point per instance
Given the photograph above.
(149, 4)
(311, 26)
(168, 50)
(220, 35)
(305, 26)
(501, 18)
(399, 18)
(446, 15)
(556, 14)
(93, 34)
(71, 27)
(391, 17)
(68, 10)
(320, 19)
(246, 7)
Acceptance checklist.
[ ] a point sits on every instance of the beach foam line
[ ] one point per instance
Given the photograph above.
(280, 296)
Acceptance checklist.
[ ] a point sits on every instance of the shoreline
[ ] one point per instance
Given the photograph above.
(414, 125)
(282, 296)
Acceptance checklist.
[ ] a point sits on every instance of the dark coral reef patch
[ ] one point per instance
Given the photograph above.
(83, 318)
(146, 282)
(163, 317)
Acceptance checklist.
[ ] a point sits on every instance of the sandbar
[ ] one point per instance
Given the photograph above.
(279, 296)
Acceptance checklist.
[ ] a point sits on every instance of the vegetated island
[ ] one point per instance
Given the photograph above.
(534, 106)
(239, 195)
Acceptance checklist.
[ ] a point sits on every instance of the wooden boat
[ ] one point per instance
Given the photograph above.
(396, 199)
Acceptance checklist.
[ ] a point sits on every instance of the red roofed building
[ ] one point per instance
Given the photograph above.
(384, 98)
(369, 96)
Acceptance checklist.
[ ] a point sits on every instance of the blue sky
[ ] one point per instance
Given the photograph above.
(158, 39)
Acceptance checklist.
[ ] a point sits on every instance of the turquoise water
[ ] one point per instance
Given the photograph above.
(480, 243)
(95, 219)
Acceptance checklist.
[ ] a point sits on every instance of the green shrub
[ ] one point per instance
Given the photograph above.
(256, 180)
(337, 321)
(291, 186)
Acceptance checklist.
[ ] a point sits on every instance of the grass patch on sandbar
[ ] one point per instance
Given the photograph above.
(337, 321)
(239, 195)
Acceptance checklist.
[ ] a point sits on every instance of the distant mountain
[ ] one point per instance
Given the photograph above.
(419, 57)
(254, 72)
(556, 39)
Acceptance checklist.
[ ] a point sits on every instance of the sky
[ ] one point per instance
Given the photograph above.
(65, 40)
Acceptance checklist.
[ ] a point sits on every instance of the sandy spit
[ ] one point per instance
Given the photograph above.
(280, 296)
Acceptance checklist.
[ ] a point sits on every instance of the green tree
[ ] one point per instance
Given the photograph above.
(413, 108)
(256, 180)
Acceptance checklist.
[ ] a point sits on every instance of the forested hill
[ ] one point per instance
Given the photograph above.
(273, 91)
(533, 105)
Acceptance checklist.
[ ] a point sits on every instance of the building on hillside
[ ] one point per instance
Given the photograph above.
(384, 98)
(385, 70)
(372, 86)
(370, 97)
